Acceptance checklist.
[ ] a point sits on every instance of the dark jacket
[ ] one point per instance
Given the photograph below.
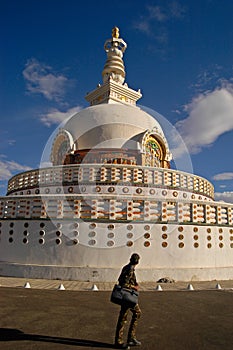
(127, 278)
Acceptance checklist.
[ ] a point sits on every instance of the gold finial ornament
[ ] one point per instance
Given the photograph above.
(114, 67)
(114, 88)
(115, 32)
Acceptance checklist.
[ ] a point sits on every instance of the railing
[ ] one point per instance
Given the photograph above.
(66, 175)
(105, 208)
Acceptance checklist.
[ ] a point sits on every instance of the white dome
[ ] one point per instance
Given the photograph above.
(110, 126)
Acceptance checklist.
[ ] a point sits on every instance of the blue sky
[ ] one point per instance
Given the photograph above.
(180, 54)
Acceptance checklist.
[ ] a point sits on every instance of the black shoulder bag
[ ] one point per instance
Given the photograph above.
(124, 296)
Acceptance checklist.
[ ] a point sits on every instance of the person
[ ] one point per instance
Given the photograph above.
(127, 279)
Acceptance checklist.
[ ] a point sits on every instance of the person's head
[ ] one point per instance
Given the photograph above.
(134, 260)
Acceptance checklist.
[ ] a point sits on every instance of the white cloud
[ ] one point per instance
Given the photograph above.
(54, 116)
(177, 10)
(223, 176)
(143, 26)
(209, 116)
(158, 13)
(8, 168)
(209, 77)
(224, 196)
(161, 15)
(41, 80)
(164, 13)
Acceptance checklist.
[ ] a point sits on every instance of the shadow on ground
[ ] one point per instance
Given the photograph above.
(8, 334)
(33, 319)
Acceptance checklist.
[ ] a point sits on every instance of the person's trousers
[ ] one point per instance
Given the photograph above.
(122, 319)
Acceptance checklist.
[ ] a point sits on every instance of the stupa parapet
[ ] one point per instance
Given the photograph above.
(114, 88)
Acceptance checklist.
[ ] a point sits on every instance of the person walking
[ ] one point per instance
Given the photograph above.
(127, 279)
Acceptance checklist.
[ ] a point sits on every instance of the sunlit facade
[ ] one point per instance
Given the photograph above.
(109, 192)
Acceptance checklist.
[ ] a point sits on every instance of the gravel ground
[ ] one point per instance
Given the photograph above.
(68, 319)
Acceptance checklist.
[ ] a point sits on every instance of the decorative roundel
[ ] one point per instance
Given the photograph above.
(97, 189)
(138, 190)
(111, 189)
(129, 227)
(110, 243)
(125, 190)
(58, 189)
(37, 191)
(152, 191)
(92, 242)
(185, 195)
(175, 193)
(83, 189)
(47, 190)
(164, 193)
(92, 234)
(193, 196)
(59, 225)
(110, 235)
(147, 227)
(111, 227)
(75, 241)
(129, 235)
(92, 226)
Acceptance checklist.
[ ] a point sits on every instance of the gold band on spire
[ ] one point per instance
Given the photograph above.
(115, 32)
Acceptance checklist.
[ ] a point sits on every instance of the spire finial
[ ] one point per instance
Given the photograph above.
(115, 32)
(114, 68)
(114, 89)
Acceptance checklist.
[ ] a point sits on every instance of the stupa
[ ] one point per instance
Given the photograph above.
(109, 192)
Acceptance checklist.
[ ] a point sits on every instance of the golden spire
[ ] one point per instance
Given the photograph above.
(114, 89)
(115, 32)
(114, 67)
